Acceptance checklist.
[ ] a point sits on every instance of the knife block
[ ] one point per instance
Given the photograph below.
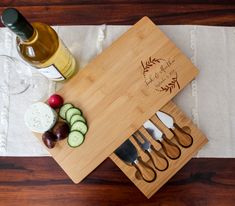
(148, 189)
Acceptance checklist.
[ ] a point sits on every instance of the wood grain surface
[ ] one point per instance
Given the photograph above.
(199, 140)
(40, 181)
(113, 93)
(217, 12)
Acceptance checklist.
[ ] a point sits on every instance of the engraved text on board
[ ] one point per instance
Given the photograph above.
(160, 74)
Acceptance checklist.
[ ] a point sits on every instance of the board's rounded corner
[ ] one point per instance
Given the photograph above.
(76, 181)
(146, 18)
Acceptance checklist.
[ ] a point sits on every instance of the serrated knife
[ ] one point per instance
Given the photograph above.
(128, 154)
(182, 137)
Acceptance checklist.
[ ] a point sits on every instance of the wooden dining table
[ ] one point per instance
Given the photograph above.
(40, 181)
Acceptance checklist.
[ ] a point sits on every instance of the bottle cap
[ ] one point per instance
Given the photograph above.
(16, 22)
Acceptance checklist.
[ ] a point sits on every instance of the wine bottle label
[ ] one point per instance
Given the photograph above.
(52, 73)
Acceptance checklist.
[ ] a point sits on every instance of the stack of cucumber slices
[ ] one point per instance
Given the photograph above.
(78, 126)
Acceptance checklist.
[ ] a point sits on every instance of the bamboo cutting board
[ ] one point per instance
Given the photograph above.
(119, 90)
(199, 140)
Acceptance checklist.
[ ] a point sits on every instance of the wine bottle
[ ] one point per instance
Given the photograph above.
(39, 45)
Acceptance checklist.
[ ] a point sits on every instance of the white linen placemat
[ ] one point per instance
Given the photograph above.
(208, 100)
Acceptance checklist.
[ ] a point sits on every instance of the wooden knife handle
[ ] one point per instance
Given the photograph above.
(183, 138)
(145, 170)
(171, 150)
(159, 161)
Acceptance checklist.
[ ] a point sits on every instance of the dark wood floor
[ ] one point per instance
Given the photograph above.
(40, 181)
(217, 12)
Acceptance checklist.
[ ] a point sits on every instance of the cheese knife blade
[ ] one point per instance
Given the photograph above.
(153, 130)
(181, 136)
(128, 154)
(166, 119)
(170, 149)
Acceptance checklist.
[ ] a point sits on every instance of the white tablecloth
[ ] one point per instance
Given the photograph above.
(208, 100)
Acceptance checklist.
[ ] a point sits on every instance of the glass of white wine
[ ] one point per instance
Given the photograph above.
(17, 77)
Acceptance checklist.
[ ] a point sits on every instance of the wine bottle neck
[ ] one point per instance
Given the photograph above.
(30, 40)
(16, 22)
(25, 33)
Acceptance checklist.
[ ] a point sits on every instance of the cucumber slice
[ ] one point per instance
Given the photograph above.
(64, 109)
(79, 126)
(75, 139)
(77, 117)
(70, 112)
